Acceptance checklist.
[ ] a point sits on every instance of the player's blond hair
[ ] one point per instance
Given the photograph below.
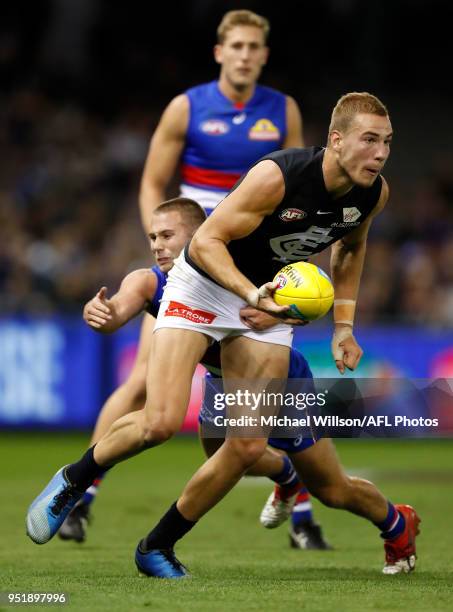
(350, 105)
(231, 19)
(192, 213)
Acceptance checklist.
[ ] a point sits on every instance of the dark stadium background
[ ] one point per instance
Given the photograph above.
(83, 83)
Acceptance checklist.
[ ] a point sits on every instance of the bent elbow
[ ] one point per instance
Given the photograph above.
(198, 248)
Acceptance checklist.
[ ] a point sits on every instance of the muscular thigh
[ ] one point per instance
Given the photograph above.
(173, 357)
(246, 358)
(258, 368)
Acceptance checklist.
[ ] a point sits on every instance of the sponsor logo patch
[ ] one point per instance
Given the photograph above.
(176, 309)
(214, 127)
(351, 214)
(349, 225)
(264, 129)
(292, 214)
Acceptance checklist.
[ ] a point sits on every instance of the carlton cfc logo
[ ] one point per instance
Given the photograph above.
(292, 214)
(214, 127)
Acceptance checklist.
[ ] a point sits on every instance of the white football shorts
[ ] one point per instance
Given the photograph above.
(191, 301)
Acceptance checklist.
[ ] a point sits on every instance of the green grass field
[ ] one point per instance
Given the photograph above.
(235, 563)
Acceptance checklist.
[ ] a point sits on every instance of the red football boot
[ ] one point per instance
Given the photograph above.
(400, 551)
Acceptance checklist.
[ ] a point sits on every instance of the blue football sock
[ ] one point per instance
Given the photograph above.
(393, 525)
(288, 477)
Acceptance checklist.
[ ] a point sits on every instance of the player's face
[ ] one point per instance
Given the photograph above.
(242, 56)
(167, 237)
(364, 148)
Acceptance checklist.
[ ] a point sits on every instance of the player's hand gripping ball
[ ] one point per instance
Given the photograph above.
(306, 289)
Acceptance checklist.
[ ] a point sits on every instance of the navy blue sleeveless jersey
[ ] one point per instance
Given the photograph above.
(306, 221)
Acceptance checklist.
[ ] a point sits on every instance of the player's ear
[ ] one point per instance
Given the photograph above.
(335, 139)
(218, 55)
(266, 55)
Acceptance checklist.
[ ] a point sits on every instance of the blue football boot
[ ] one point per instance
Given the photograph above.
(51, 507)
(159, 563)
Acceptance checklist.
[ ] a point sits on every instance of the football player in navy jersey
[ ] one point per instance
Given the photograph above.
(216, 131)
(173, 224)
(213, 133)
(205, 291)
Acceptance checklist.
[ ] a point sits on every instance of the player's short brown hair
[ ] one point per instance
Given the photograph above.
(191, 211)
(231, 19)
(350, 105)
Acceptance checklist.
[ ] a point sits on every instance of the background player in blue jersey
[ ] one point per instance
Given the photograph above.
(217, 131)
(170, 231)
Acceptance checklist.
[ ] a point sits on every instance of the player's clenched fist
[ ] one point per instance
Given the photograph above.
(345, 349)
(98, 311)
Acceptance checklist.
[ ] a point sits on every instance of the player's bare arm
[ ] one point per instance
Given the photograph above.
(240, 213)
(294, 126)
(348, 254)
(164, 153)
(257, 319)
(347, 257)
(107, 315)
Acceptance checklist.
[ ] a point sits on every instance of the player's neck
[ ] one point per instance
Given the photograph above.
(337, 182)
(237, 96)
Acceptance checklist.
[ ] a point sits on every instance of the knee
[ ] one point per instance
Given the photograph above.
(157, 431)
(248, 451)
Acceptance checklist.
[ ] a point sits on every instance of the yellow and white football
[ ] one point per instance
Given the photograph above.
(306, 288)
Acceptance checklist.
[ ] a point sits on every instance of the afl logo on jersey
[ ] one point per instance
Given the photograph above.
(292, 214)
(214, 127)
(264, 129)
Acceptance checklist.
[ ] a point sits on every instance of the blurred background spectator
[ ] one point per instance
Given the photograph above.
(83, 83)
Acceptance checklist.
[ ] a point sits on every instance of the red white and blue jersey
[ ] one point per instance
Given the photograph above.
(224, 139)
